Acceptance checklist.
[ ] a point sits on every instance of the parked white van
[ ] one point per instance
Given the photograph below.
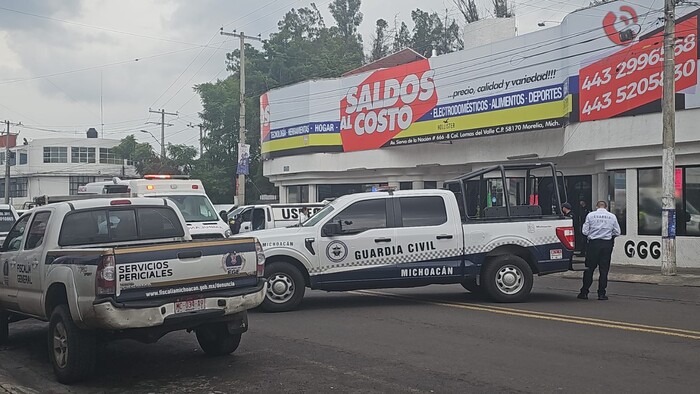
(202, 218)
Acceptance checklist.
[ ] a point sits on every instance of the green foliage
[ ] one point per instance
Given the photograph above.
(379, 44)
(431, 32)
(468, 9)
(501, 9)
(179, 160)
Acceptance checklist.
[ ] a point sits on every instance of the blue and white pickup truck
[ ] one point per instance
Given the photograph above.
(124, 268)
(491, 230)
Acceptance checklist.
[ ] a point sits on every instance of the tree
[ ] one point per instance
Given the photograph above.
(402, 38)
(468, 10)
(501, 9)
(348, 17)
(431, 32)
(147, 162)
(380, 48)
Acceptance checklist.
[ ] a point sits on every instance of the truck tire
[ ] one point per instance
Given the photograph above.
(471, 286)
(507, 278)
(215, 339)
(4, 327)
(72, 351)
(285, 287)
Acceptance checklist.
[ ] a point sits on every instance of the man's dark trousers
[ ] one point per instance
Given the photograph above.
(598, 256)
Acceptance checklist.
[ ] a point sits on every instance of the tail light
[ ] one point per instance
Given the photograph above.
(566, 236)
(106, 276)
(260, 267)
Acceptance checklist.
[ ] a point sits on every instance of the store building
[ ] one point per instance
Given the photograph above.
(59, 166)
(581, 95)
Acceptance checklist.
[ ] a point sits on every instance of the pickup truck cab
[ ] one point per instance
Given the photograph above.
(124, 268)
(482, 233)
(262, 217)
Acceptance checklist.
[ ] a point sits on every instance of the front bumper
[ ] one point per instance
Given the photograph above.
(109, 316)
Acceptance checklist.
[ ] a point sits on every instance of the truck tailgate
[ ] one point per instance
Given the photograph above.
(171, 270)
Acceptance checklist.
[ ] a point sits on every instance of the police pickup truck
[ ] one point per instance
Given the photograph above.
(124, 268)
(261, 217)
(490, 231)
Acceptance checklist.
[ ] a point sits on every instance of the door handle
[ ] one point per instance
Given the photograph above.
(444, 236)
(189, 255)
(380, 240)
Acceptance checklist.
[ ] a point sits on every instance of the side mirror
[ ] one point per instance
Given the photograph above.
(331, 229)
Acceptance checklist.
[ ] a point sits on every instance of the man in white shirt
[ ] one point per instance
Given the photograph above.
(303, 215)
(601, 227)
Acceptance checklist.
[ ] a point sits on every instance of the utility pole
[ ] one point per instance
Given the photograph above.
(201, 135)
(7, 163)
(162, 128)
(668, 108)
(240, 190)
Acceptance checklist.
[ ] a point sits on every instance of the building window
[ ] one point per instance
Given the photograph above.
(22, 158)
(617, 187)
(107, 156)
(75, 182)
(324, 192)
(405, 185)
(687, 195)
(298, 194)
(430, 185)
(18, 187)
(55, 154)
(82, 155)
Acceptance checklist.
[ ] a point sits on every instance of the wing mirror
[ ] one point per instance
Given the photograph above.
(331, 229)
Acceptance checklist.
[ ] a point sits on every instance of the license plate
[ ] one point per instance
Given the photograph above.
(189, 306)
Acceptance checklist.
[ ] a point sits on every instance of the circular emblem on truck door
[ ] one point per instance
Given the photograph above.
(336, 251)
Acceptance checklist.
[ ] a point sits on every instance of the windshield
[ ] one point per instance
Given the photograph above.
(318, 216)
(235, 212)
(194, 208)
(7, 219)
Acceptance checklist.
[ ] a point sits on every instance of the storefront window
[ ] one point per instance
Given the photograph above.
(334, 191)
(692, 200)
(687, 195)
(405, 185)
(617, 187)
(298, 194)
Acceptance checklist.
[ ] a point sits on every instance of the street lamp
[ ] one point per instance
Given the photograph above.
(154, 137)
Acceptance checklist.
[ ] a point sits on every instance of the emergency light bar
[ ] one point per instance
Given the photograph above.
(166, 177)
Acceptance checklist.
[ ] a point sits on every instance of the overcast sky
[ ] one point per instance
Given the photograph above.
(60, 58)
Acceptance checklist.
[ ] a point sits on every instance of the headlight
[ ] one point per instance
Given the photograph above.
(227, 233)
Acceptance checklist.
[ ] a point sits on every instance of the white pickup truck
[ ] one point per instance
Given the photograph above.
(482, 232)
(249, 218)
(124, 268)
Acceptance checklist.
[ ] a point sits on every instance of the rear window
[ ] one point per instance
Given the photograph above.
(119, 225)
(422, 211)
(7, 219)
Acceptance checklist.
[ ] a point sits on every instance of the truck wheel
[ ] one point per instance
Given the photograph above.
(507, 278)
(215, 339)
(4, 326)
(471, 286)
(72, 351)
(285, 287)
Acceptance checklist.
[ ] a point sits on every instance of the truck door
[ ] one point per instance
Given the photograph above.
(29, 265)
(429, 241)
(246, 220)
(8, 258)
(357, 244)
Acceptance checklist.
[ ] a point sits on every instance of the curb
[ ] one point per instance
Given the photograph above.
(683, 280)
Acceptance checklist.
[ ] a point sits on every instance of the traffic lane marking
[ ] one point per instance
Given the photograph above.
(589, 321)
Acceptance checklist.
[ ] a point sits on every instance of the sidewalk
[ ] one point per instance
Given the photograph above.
(646, 274)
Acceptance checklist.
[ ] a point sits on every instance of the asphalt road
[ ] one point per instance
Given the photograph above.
(440, 339)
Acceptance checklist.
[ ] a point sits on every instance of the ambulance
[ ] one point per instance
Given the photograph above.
(203, 221)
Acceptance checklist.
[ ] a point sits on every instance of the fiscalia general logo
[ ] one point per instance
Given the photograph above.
(386, 103)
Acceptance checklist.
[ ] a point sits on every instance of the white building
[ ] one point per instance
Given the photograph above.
(58, 166)
(569, 94)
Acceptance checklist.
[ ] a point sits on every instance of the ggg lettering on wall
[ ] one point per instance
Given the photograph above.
(578, 71)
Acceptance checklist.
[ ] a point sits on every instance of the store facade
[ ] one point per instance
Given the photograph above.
(576, 95)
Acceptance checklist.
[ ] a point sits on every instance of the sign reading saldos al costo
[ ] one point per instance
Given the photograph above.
(579, 71)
